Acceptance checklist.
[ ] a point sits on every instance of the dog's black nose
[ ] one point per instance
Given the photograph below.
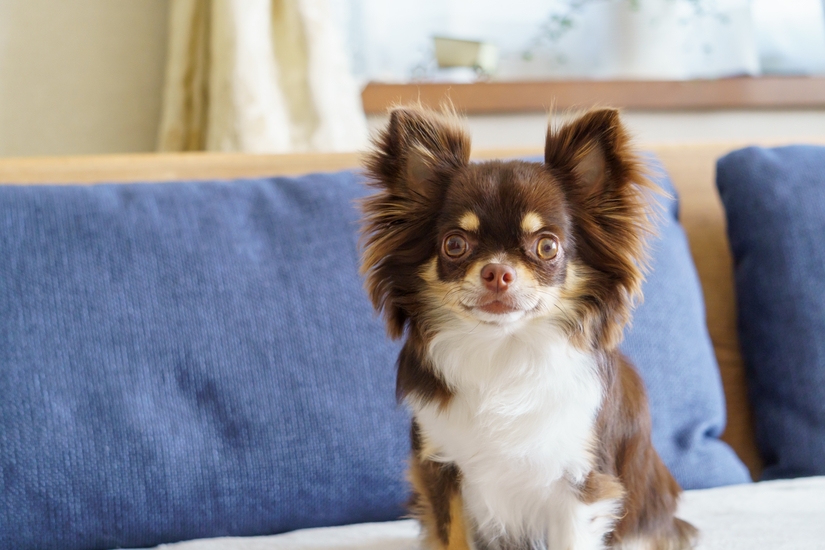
(497, 277)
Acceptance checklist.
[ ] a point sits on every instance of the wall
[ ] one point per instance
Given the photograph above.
(80, 76)
(528, 130)
(85, 77)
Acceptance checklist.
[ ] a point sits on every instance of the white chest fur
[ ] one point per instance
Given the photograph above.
(520, 424)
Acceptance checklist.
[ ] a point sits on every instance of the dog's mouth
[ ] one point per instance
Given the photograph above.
(500, 307)
(497, 307)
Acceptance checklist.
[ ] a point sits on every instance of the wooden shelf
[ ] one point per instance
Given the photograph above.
(537, 96)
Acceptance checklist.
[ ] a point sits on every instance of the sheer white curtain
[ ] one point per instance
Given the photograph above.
(258, 76)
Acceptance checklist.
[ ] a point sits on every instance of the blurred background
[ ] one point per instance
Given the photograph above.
(105, 76)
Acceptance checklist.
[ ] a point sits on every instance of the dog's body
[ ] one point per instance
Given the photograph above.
(512, 282)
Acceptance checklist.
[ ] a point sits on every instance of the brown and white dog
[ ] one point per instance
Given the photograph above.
(511, 283)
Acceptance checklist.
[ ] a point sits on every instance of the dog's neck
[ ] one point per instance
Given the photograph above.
(471, 354)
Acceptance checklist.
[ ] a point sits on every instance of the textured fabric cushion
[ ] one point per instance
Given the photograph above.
(669, 344)
(190, 360)
(199, 359)
(775, 205)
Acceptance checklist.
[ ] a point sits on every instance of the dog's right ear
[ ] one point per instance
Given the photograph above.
(411, 163)
(417, 147)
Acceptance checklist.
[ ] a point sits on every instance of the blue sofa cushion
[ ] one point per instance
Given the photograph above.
(190, 360)
(199, 359)
(775, 204)
(670, 346)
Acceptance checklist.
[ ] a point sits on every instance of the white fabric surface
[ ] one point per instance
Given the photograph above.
(775, 515)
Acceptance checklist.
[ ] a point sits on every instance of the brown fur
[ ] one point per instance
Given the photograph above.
(436, 500)
(397, 220)
(626, 452)
(612, 219)
(591, 191)
(415, 375)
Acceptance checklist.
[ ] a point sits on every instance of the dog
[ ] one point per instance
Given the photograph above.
(511, 283)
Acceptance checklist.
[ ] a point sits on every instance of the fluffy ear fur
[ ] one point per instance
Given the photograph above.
(604, 183)
(411, 164)
(417, 145)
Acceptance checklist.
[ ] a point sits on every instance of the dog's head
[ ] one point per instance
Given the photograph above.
(505, 242)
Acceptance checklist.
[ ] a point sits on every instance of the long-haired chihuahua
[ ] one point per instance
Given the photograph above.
(511, 283)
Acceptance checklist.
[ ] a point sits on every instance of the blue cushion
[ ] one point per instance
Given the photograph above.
(200, 359)
(775, 204)
(669, 344)
(190, 360)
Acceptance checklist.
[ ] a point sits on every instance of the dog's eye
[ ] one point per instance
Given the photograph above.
(455, 246)
(547, 248)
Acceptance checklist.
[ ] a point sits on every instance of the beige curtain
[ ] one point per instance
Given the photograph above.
(263, 76)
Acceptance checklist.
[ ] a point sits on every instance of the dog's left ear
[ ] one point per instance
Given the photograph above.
(603, 179)
(595, 150)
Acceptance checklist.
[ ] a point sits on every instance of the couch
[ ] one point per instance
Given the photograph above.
(768, 515)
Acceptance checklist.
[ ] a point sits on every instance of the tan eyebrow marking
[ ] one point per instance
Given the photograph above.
(531, 222)
(469, 222)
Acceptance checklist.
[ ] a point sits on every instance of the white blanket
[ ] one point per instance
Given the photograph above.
(775, 515)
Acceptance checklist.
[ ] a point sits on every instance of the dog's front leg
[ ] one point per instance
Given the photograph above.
(437, 501)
